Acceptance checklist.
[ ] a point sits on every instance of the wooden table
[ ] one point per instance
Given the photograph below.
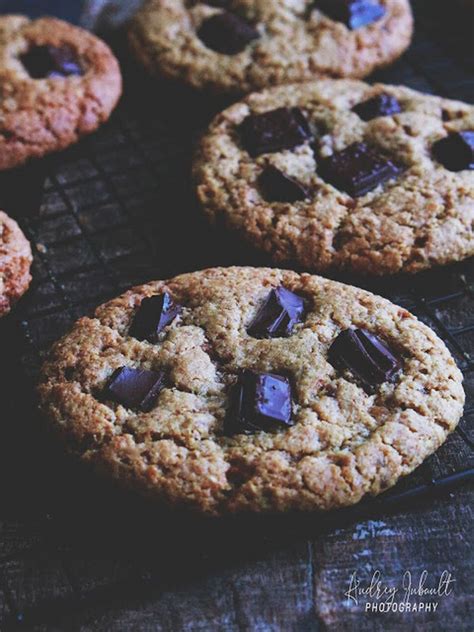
(76, 554)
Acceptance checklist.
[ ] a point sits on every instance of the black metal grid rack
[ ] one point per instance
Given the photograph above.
(118, 210)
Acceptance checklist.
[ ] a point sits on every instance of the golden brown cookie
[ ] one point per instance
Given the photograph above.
(244, 389)
(242, 45)
(15, 262)
(339, 175)
(57, 83)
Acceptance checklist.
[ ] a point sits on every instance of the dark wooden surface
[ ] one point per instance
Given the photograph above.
(76, 554)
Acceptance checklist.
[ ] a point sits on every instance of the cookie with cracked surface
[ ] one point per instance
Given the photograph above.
(15, 263)
(263, 390)
(57, 83)
(339, 175)
(244, 45)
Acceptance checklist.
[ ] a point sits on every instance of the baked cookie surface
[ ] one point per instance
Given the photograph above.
(243, 45)
(15, 263)
(339, 175)
(57, 83)
(244, 389)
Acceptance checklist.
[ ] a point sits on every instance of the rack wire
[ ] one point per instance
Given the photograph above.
(118, 210)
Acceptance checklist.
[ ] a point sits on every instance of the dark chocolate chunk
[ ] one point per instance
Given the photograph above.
(380, 105)
(46, 62)
(135, 388)
(283, 128)
(227, 33)
(278, 315)
(456, 151)
(153, 315)
(357, 169)
(278, 187)
(353, 13)
(259, 401)
(365, 355)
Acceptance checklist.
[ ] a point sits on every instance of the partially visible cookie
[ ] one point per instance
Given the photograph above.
(244, 389)
(242, 45)
(15, 262)
(339, 175)
(57, 83)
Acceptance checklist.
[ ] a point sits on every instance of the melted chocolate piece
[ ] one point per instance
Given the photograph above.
(259, 401)
(380, 105)
(46, 62)
(456, 151)
(227, 33)
(365, 355)
(353, 13)
(278, 315)
(357, 169)
(283, 128)
(135, 388)
(278, 187)
(154, 314)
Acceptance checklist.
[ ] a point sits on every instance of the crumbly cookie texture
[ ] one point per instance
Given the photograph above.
(297, 42)
(345, 443)
(45, 114)
(15, 262)
(422, 217)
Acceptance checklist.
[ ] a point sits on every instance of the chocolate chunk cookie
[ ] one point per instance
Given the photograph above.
(338, 175)
(243, 389)
(57, 83)
(15, 262)
(242, 45)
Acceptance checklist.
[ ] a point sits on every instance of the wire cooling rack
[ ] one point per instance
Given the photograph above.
(118, 210)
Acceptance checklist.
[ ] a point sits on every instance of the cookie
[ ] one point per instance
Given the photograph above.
(243, 45)
(339, 175)
(57, 83)
(15, 262)
(244, 389)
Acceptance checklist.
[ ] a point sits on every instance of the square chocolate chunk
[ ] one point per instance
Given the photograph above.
(227, 33)
(278, 187)
(353, 13)
(135, 388)
(284, 128)
(260, 401)
(368, 358)
(154, 314)
(380, 105)
(357, 169)
(456, 151)
(46, 62)
(278, 315)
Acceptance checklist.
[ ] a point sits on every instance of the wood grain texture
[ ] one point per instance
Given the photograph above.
(283, 581)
